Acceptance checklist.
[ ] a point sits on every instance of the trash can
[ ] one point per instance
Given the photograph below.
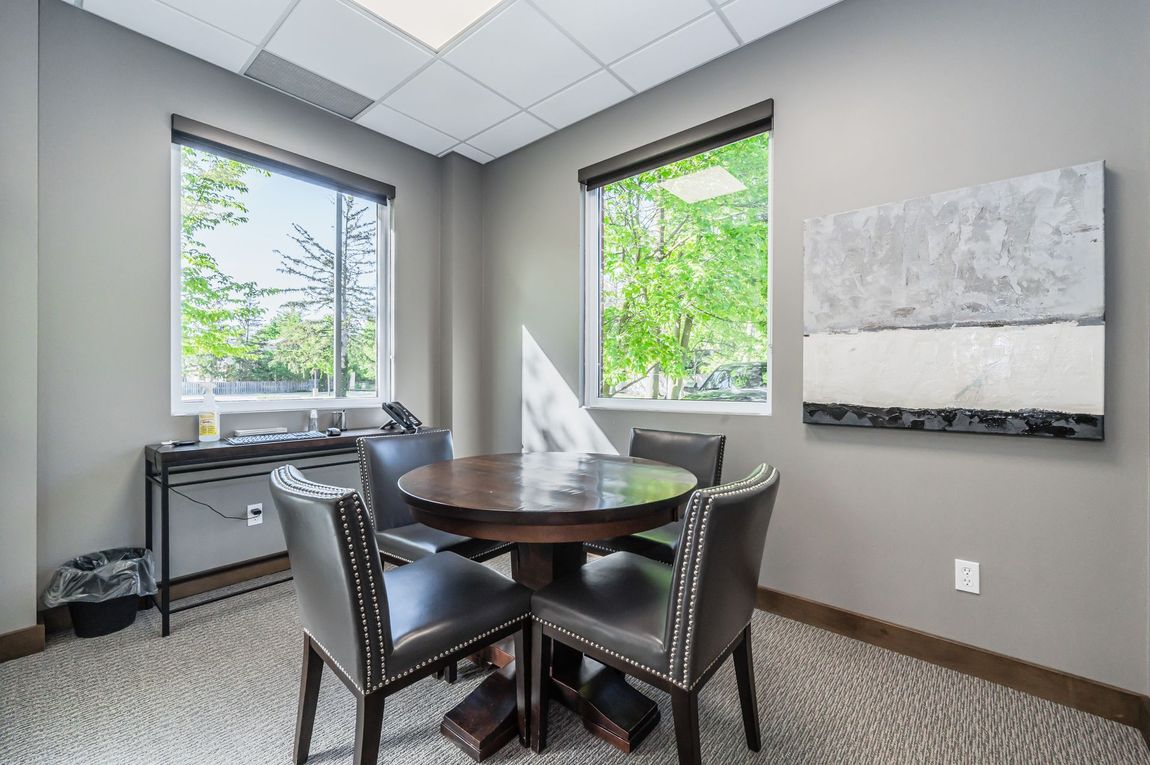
(103, 589)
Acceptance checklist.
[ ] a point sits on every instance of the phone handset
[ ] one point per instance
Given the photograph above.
(401, 417)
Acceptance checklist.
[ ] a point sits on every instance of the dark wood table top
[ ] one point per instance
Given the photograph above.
(546, 496)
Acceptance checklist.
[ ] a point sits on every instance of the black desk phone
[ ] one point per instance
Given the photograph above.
(401, 417)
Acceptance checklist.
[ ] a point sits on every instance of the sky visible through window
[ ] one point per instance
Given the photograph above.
(259, 284)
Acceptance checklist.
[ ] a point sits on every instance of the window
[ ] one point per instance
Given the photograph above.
(676, 278)
(280, 298)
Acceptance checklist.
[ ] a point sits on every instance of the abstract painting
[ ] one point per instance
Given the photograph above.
(977, 310)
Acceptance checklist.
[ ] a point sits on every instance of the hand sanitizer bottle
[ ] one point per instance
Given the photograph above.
(209, 416)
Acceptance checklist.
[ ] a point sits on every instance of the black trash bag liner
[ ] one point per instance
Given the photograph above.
(102, 576)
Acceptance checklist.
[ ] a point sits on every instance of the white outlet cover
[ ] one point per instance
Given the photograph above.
(966, 576)
(257, 518)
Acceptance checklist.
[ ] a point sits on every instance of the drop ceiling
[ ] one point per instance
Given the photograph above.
(481, 78)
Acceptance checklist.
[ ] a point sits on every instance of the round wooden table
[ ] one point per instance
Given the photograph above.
(548, 503)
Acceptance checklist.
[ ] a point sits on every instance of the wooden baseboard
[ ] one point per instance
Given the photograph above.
(1091, 696)
(225, 576)
(23, 642)
(58, 620)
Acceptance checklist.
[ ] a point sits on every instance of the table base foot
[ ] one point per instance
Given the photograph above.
(486, 720)
(611, 709)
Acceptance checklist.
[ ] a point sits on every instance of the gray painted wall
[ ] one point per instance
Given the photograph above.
(106, 97)
(18, 71)
(462, 285)
(875, 101)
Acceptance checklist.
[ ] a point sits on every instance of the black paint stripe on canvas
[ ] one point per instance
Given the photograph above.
(1025, 422)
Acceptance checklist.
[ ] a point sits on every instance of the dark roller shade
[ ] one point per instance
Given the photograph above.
(729, 128)
(188, 132)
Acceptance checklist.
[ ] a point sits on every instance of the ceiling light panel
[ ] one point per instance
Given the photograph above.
(432, 23)
(251, 20)
(450, 102)
(508, 136)
(754, 18)
(582, 99)
(176, 29)
(497, 54)
(611, 29)
(705, 184)
(388, 121)
(347, 46)
(676, 53)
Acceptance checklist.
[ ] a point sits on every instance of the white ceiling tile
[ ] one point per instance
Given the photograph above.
(755, 18)
(686, 49)
(449, 101)
(522, 55)
(471, 152)
(251, 19)
(508, 136)
(613, 28)
(347, 46)
(171, 27)
(383, 119)
(582, 99)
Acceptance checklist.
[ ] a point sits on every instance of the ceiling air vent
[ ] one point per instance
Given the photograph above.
(299, 82)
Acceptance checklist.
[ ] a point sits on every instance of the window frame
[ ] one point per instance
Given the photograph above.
(187, 132)
(731, 128)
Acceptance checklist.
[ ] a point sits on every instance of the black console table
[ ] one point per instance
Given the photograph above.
(161, 463)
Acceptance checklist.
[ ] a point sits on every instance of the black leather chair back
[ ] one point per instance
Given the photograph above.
(338, 574)
(717, 570)
(384, 459)
(701, 453)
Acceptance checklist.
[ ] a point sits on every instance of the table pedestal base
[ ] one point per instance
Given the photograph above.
(611, 709)
(486, 720)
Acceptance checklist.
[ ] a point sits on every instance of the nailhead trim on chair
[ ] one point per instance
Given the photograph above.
(303, 485)
(719, 461)
(365, 479)
(691, 559)
(663, 674)
(453, 649)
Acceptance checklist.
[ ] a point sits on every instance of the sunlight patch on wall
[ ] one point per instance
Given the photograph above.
(552, 419)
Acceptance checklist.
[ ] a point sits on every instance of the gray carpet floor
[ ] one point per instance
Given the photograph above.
(222, 689)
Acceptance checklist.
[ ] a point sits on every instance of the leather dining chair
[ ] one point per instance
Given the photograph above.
(700, 453)
(669, 626)
(382, 461)
(380, 632)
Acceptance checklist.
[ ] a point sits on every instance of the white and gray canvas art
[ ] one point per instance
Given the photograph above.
(978, 310)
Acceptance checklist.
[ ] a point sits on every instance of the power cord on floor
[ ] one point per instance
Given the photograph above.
(205, 504)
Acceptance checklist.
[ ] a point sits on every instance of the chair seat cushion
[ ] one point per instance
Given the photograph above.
(657, 544)
(443, 602)
(618, 602)
(416, 540)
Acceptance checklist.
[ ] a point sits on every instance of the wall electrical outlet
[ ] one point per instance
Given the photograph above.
(255, 514)
(966, 578)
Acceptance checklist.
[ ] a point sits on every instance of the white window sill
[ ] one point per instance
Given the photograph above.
(285, 405)
(756, 408)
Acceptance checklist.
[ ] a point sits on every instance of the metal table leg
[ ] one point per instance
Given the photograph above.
(165, 564)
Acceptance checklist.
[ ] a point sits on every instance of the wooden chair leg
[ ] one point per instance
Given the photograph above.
(368, 727)
(309, 680)
(451, 672)
(685, 708)
(523, 682)
(540, 686)
(748, 698)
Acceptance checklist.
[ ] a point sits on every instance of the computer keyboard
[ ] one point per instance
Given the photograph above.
(270, 438)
